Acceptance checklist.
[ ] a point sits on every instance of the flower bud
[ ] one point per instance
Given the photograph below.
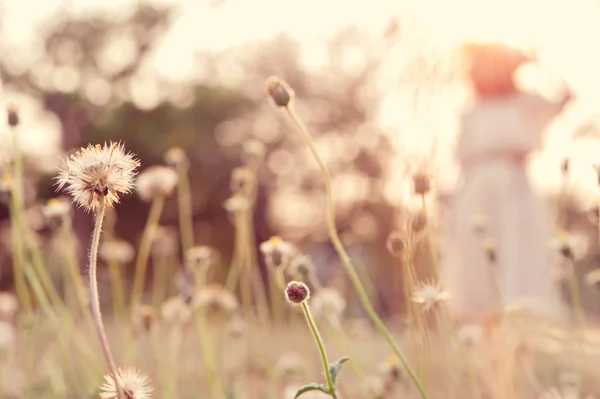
(279, 91)
(395, 244)
(12, 117)
(297, 292)
(421, 184)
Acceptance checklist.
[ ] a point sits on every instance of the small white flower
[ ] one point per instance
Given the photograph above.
(593, 277)
(176, 156)
(216, 297)
(237, 203)
(134, 384)
(429, 295)
(156, 181)
(470, 334)
(95, 172)
(276, 251)
(175, 310)
(119, 251)
(569, 246)
(56, 210)
(198, 254)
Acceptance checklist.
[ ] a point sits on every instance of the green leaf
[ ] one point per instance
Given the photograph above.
(312, 387)
(334, 368)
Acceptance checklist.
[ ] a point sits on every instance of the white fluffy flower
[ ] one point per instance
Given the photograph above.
(134, 384)
(98, 171)
(156, 180)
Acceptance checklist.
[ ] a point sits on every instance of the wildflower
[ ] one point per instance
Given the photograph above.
(470, 334)
(479, 223)
(199, 255)
(240, 177)
(98, 172)
(329, 304)
(12, 116)
(396, 244)
(115, 250)
(429, 295)
(254, 151)
(276, 251)
(156, 181)
(236, 327)
(301, 265)
(175, 311)
(135, 385)
(421, 184)
(280, 92)
(417, 223)
(215, 297)
(165, 242)
(297, 292)
(56, 211)
(144, 317)
(9, 306)
(237, 203)
(390, 368)
(176, 157)
(593, 277)
(489, 248)
(569, 247)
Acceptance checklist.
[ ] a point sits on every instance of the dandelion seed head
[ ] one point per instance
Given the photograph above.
(215, 297)
(301, 265)
(429, 295)
(236, 203)
(56, 209)
(135, 385)
(115, 250)
(175, 310)
(98, 171)
(176, 156)
(276, 250)
(156, 181)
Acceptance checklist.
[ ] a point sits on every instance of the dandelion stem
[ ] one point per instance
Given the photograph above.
(17, 206)
(141, 263)
(319, 341)
(333, 234)
(95, 298)
(184, 199)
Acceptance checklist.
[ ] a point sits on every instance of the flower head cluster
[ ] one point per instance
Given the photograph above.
(156, 181)
(429, 295)
(98, 172)
(277, 252)
(135, 385)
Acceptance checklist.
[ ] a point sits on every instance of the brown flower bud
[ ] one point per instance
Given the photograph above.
(395, 244)
(421, 184)
(280, 92)
(417, 223)
(297, 292)
(12, 116)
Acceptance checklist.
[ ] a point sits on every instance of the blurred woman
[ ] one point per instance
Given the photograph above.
(496, 240)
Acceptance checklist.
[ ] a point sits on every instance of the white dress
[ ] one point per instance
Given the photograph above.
(497, 135)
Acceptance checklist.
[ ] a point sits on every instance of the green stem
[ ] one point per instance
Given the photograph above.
(344, 256)
(17, 207)
(141, 263)
(576, 297)
(184, 198)
(319, 341)
(95, 297)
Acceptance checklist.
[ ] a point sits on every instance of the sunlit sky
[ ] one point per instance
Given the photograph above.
(564, 33)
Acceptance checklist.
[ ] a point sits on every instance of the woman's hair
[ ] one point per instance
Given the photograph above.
(491, 67)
